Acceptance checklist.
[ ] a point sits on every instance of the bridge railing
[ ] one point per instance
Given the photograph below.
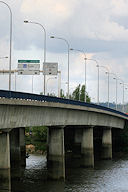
(44, 98)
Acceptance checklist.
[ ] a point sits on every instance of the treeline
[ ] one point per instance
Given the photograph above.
(77, 94)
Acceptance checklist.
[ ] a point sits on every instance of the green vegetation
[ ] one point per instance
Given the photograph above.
(37, 136)
(79, 94)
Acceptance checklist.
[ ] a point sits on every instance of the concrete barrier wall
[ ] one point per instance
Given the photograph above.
(22, 114)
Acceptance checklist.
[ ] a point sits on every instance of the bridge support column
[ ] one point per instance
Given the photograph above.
(87, 147)
(77, 147)
(4, 150)
(56, 153)
(15, 148)
(22, 146)
(107, 144)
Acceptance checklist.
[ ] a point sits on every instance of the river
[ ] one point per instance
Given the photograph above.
(108, 176)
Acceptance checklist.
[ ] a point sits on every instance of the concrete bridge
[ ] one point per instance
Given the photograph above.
(75, 129)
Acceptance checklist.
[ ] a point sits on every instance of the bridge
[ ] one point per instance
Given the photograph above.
(75, 129)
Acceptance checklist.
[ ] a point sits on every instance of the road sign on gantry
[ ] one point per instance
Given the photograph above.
(50, 68)
(28, 67)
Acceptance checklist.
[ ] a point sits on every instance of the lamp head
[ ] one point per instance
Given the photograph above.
(52, 37)
(71, 49)
(25, 21)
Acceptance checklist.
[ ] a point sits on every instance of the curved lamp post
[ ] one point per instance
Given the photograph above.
(97, 65)
(44, 43)
(116, 78)
(53, 37)
(10, 55)
(81, 51)
(108, 79)
(122, 83)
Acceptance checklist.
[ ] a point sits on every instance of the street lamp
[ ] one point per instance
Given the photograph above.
(53, 37)
(108, 79)
(97, 65)
(85, 68)
(44, 43)
(15, 80)
(116, 78)
(122, 83)
(10, 55)
(59, 83)
(48, 80)
(3, 57)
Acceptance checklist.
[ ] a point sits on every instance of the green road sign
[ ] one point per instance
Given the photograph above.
(28, 61)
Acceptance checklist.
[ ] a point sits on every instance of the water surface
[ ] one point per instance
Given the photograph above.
(108, 176)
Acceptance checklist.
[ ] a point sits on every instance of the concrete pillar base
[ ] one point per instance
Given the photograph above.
(87, 148)
(107, 144)
(22, 147)
(56, 156)
(15, 148)
(5, 180)
(4, 150)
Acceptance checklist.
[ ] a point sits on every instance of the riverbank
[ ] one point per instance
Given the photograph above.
(35, 138)
(31, 149)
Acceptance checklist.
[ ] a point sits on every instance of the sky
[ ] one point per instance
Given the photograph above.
(99, 28)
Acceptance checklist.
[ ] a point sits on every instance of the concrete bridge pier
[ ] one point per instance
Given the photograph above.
(87, 147)
(56, 153)
(5, 180)
(22, 146)
(15, 157)
(107, 144)
(4, 150)
(17, 147)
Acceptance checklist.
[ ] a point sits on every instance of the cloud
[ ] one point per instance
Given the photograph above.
(98, 27)
(50, 12)
(120, 7)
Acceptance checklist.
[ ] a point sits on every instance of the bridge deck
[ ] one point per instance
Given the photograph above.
(43, 98)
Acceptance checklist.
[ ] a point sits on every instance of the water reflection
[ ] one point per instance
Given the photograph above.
(107, 176)
(5, 180)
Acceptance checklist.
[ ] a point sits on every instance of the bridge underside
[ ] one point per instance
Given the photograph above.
(75, 133)
(77, 146)
(69, 146)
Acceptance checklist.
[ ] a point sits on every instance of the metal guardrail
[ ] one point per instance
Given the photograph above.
(43, 98)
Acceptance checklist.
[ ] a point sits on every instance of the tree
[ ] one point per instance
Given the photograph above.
(76, 93)
(82, 95)
(62, 94)
(79, 94)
